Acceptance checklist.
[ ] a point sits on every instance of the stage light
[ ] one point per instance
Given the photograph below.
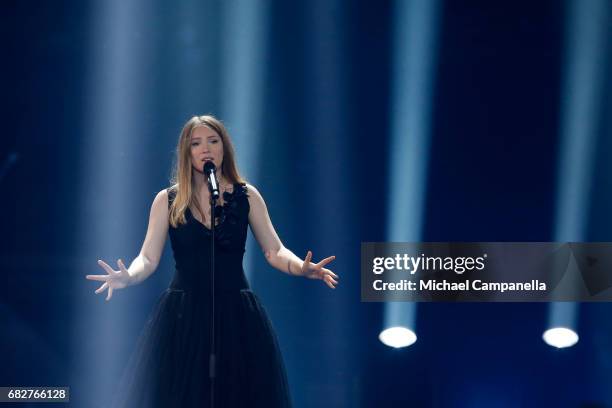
(560, 337)
(581, 95)
(414, 60)
(397, 337)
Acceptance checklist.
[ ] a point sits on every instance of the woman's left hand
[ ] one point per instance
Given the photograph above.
(317, 271)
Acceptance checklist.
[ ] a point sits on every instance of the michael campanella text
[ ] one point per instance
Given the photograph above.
(443, 285)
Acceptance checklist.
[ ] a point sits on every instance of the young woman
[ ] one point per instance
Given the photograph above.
(170, 366)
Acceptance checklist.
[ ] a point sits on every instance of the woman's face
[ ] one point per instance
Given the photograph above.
(206, 145)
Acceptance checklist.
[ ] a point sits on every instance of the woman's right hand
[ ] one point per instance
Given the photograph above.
(114, 280)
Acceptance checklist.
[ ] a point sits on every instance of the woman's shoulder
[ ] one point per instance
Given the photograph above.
(161, 202)
(248, 188)
(241, 187)
(253, 193)
(170, 191)
(238, 190)
(166, 196)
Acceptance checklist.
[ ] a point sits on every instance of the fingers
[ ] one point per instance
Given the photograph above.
(122, 266)
(318, 272)
(107, 268)
(330, 273)
(101, 288)
(97, 277)
(327, 271)
(329, 281)
(308, 257)
(107, 279)
(326, 276)
(326, 260)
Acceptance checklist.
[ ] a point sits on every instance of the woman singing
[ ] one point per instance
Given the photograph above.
(170, 365)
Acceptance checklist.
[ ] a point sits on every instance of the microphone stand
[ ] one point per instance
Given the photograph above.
(212, 367)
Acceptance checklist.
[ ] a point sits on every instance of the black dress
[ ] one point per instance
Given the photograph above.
(169, 367)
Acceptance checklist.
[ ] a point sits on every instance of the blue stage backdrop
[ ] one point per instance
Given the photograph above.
(95, 95)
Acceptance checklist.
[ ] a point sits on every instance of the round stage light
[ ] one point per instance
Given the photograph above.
(397, 337)
(560, 337)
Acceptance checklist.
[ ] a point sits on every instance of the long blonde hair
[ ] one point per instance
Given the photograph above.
(182, 180)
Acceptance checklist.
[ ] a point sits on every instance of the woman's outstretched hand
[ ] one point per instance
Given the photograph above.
(114, 280)
(317, 271)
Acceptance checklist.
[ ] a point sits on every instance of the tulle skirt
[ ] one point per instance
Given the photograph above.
(170, 364)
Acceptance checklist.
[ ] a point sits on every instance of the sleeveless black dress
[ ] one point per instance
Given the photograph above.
(169, 367)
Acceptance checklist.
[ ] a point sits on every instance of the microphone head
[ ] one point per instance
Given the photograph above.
(209, 166)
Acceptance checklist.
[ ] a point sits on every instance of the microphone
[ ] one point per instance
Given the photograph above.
(213, 186)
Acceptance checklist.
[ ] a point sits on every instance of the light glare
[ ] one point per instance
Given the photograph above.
(397, 337)
(560, 337)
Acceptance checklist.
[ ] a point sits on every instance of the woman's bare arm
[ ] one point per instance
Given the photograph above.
(150, 254)
(275, 252)
(147, 260)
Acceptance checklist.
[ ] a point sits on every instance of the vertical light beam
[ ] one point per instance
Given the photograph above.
(581, 95)
(242, 85)
(110, 175)
(414, 50)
